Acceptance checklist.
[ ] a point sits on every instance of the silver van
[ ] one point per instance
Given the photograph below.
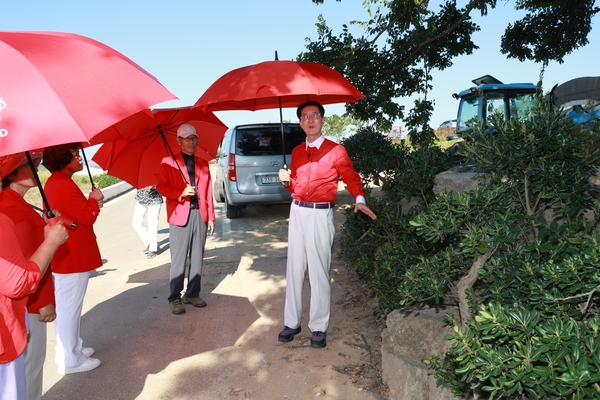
(248, 162)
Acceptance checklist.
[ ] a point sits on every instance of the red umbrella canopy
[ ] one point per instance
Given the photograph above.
(60, 87)
(274, 84)
(137, 158)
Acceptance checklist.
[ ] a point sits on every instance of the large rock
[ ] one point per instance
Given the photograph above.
(456, 181)
(409, 340)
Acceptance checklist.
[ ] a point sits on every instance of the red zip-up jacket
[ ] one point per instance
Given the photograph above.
(315, 173)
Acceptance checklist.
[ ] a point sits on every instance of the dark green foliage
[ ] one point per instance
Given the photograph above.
(374, 157)
(396, 48)
(514, 353)
(536, 300)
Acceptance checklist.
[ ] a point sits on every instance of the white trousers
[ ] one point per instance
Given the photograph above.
(35, 355)
(149, 233)
(69, 291)
(12, 380)
(310, 238)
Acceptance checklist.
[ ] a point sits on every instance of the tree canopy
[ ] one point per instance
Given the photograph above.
(404, 41)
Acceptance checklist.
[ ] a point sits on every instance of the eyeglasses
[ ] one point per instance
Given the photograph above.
(190, 138)
(306, 117)
(76, 153)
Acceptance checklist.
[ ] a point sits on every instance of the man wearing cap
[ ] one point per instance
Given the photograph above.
(184, 180)
(313, 180)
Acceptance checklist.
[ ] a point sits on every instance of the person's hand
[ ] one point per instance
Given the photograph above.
(55, 233)
(47, 313)
(211, 227)
(97, 195)
(188, 191)
(364, 209)
(284, 175)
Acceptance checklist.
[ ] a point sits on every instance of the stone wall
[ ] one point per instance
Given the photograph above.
(409, 340)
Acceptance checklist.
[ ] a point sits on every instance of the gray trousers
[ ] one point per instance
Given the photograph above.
(187, 243)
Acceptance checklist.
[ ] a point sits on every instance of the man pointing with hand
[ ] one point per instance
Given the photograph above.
(313, 180)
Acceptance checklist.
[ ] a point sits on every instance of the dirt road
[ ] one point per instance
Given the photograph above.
(228, 350)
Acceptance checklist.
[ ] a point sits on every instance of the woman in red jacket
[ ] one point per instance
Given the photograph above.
(75, 259)
(17, 178)
(19, 278)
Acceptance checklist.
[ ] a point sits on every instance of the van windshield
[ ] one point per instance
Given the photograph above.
(266, 140)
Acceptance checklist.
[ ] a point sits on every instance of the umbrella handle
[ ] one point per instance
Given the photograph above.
(285, 184)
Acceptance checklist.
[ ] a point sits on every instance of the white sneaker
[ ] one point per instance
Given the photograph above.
(88, 365)
(88, 351)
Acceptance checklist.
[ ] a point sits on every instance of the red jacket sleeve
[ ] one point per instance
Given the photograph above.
(19, 277)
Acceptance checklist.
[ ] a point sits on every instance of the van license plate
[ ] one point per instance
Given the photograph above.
(270, 179)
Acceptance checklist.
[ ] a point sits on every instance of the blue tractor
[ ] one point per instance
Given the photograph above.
(579, 98)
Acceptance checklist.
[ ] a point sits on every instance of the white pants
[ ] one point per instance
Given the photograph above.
(69, 291)
(35, 355)
(310, 238)
(12, 380)
(149, 234)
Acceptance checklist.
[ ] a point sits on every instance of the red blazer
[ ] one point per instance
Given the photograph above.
(29, 227)
(80, 252)
(18, 278)
(170, 184)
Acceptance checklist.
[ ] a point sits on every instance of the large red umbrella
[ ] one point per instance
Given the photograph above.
(277, 84)
(152, 136)
(60, 87)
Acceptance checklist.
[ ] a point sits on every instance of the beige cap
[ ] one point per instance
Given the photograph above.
(186, 130)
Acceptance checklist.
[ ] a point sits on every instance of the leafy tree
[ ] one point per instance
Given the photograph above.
(406, 41)
(337, 126)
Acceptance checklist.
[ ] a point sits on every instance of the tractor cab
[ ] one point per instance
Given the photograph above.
(490, 96)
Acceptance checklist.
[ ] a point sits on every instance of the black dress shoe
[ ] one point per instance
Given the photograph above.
(317, 340)
(287, 334)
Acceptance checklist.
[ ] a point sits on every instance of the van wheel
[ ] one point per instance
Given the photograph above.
(232, 211)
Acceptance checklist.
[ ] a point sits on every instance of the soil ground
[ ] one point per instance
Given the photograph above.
(228, 350)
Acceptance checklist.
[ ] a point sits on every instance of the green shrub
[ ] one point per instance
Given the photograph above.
(530, 325)
(103, 181)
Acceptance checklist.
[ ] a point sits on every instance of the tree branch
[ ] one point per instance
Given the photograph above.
(588, 294)
(467, 282)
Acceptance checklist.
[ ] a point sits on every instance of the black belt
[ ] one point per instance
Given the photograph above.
(321, 206)
(193, 206)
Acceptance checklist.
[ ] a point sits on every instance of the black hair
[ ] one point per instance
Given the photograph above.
(310, 103)
(58, 157)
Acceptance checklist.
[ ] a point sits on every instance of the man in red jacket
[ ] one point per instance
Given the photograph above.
(184, 180)
(313, 180)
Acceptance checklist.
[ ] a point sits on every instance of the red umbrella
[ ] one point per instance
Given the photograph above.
(137, 158)
(61, 87)
(277, 84)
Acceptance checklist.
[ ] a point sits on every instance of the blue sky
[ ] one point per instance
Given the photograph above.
(188, 44)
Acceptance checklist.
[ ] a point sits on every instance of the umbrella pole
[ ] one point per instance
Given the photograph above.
(285, 166)
(88, 168)
(164, 139)
(49, 212)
